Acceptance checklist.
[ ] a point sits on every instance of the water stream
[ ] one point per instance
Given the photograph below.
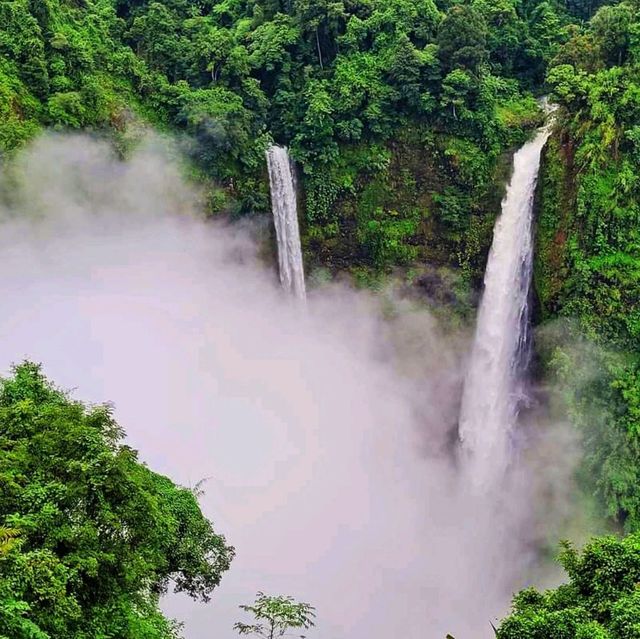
(285, 216)
(493, 388)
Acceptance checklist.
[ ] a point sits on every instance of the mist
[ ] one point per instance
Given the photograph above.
(324, 432)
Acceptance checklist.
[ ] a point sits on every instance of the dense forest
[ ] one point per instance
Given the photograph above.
(402, 116)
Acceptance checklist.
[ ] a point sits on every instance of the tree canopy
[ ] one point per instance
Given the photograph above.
(588, 257)
(89, 536)
(600, 601)
(276, 615)
(338, 82)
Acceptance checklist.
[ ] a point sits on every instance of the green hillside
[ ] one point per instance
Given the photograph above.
(402, 116)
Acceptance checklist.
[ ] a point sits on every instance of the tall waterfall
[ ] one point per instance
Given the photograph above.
(285, 216)
(493, 386)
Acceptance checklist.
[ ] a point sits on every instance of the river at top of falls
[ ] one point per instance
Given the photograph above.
(493, 387)
(285, 216)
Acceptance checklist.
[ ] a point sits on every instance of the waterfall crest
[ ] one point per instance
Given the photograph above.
(494, 386)
(285, 216)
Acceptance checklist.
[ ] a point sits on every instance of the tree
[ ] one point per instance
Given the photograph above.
(612, 28)
(90, 538)
(219, 120)
(601, 600)
(505, 35)
(456, 88)
(21, 41)
(211, 47)
(321, 21)
(270, 43)
(404, 73)
(462, 38)
(315, 139)
(157, 37)
(582, 51)
(275, 616)
(569, 86)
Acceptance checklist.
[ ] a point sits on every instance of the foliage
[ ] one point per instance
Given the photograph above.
(89, 536)
(401, 115)
(601, 600)
(588, 253)
(275, 615)
(330, 79)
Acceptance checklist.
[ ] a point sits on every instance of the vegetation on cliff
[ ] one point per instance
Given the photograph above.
(588, 253)
(353, 88)
(401, 115)
(587, 279)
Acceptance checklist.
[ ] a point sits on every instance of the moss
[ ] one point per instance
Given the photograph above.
(424, 197)
(555, 206)
(587, 268)
(19, 109)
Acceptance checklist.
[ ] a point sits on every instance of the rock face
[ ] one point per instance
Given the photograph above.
(433, 286)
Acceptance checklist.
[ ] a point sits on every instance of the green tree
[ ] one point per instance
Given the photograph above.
(456, 89)
(275, 616)
(569, 86)
(21, 41)
(157, 36)
(611, 26)
(270, 44)
(582, 51)
(211, 46)
(462, 38)
(321, 22)
(505, 31)
(405, 74)
(601, 600)
(89, 536)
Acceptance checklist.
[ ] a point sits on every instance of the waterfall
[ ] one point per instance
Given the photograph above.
(285, 216)
(494, 387)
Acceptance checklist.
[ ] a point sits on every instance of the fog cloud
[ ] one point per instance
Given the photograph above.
(324, 432)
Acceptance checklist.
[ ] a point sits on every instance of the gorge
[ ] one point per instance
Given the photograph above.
(443, 384)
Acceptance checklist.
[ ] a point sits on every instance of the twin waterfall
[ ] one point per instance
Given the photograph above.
(493, 386)
(285, 217)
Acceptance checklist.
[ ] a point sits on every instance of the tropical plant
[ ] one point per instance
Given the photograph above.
(275, 616)
(90, 538)
(600, 601)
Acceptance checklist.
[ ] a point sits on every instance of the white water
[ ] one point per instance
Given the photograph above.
(493, 386)
(285, 216)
